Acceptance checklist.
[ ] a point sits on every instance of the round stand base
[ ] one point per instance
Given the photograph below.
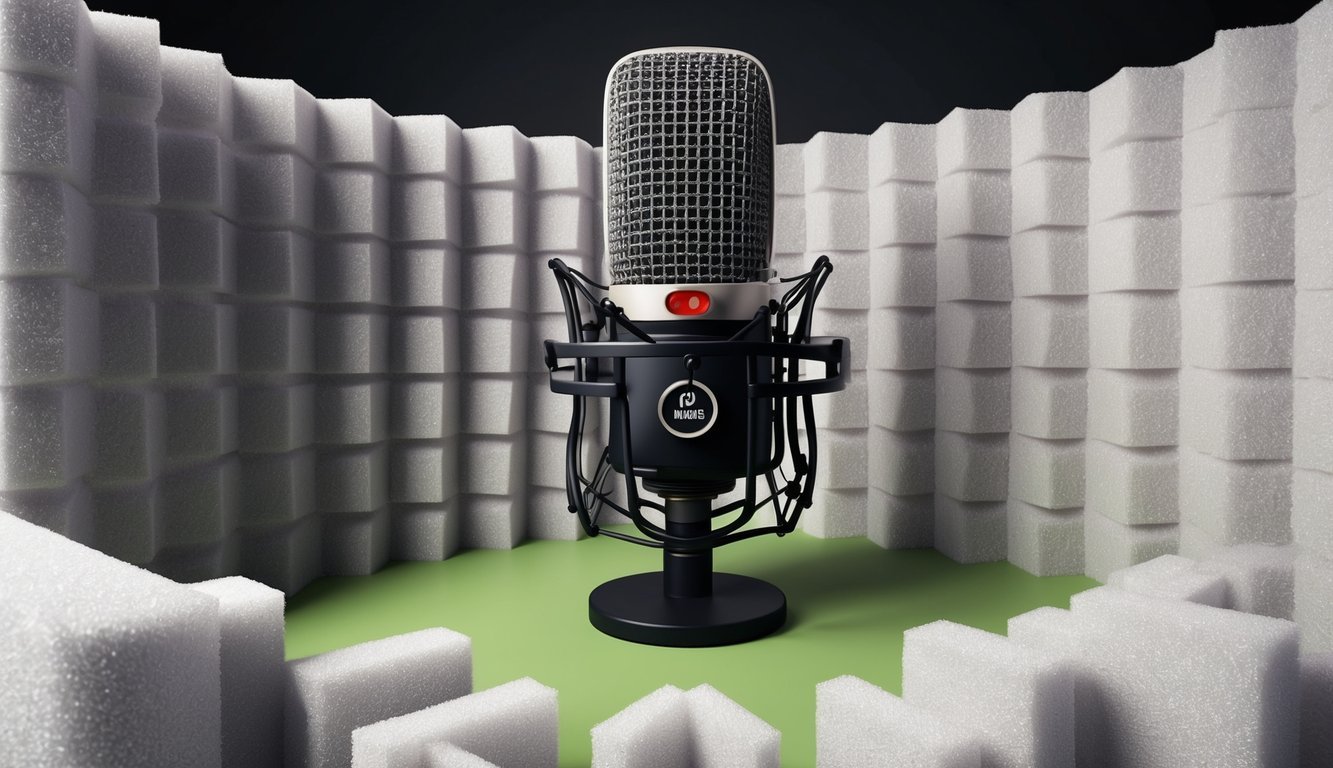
(636, 608)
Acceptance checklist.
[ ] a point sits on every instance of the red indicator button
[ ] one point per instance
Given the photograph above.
(687, 302)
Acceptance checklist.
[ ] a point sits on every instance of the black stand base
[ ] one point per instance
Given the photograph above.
(637, 608)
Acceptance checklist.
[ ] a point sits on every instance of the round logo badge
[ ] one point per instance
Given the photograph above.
(687, 409)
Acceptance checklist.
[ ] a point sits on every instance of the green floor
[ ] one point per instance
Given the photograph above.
(526, 612)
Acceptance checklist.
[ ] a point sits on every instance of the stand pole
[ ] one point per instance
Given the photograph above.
(688, 574)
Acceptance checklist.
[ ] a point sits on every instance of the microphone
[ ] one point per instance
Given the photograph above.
(695, 343)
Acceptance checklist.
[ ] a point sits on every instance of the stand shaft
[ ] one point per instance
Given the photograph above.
(688, 574)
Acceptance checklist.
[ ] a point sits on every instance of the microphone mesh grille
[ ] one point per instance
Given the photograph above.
(689, 175)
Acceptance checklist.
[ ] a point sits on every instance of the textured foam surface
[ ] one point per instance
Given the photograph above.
(53, 39)
(973, 203)
(125, 167)
(1237, 414)
(1046, 473)
(353, 132)
(511, 724)
(836, 220)
(129, 65)
(56, 420)
(48, 228)
(972, 139)
(1249, 69)
(1236, 502)
(104, 662)
(1239, 239)
(1316, 741)
(972, 467)
(835, 161)
(1020, 701)
(194, 172)
(902, 276)
(427, 145)
(275, 190)
(1312, 526)
(1045, 542)
(275, 115)
(970, 531)
(1260, 578)
(196, 91)
(1133, 252)
(46, 331)
(1173, 577)
(974, 268)
(1233, 663)
(1110, 545)
(726, 734)
(653, 731)
(900, 522)
(196, 252)
(1313, 352)
(1138, 329)
(1243, 153)
(901, 152)
(972, 334)
(1051, 192)
(1135, 177)
(972, 401)
(904, 400)
(904, 338)
(1049, 403)
(1133, 486)
(900, 463)
(49, 129)
(1133, 408)
(1314, 587)
(1046, 125)
(1314, 65)
(1050, 262)
(251, 617)
(1050, 332)
(1135, 103)
(1238, 326)
(332, 694)
(859, 725)
(902, 214)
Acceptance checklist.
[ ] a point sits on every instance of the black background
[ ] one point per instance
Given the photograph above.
(835, 66)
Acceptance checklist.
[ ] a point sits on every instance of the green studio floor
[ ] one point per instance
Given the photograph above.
(526, 612)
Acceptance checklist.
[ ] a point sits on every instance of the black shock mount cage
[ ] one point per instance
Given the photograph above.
(598, 370)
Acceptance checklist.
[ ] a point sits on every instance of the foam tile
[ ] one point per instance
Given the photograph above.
(330, 695)
(1048, 403)
(836, 220)
(901, 400)
(274, 115)
(194, 172)
(495, 218)
(49, 129)
(857, 723)
(844, 452)
(1314, 585)
(1314, 152)
(835, 161)
(424, 409)
(901, 152)
(417, 473)
(354, 544)
(853, 324)
(57, 421)
(251, 619)
(1046, 473)
(129, 65)
(425, 276)
(196, 252)
(1133, 408)
(847, 287)
(562, 164)
(46, 228)
(350, 342)
(424, 532)
(446, 755)
(1239, 239)
(836, 514)
(274, 419)
(196, 91)
(1050, 332)
(427, 145)
(1139, 251)
(546, 459)
(902, 214)
(1254, 68)
(972, 401)
(493, 345)
(1235, 659)
(127, 327)
(125, 168)
(275, 190)
(969, 531)
(1312, 440)
(900, 522)
(283, 557)
(972, 334)
(276, 488)
(198, 504)
(971, 467)
(904, 339)
(1044, 542)
(353, 132)
(1049, 125)
(901, 463)
(1136, 177)
(973, 268)
(155, 644)
(959, 672)
(351, 272)
(726, 734)
(1174, 578)
(1131, 486)
(1237, 414)
(52, 39)
(492, 522)
(274, 265)
(47, 331)
(1259, 577)
(1313, 353)
(423, 344)
(128, 435)
(1246, 153)
(1110, 545)
(1313, 64)
(789, 225)
(1312, 526)
(352, 201)
(653, 731)
(549, 517)
(198, 423)
(562, 223)
(788, 169)
(973, 203)
(274, 339)
(901, 276)
(353, 480)
(1050, 262)
(1134, 104)
(491, 465)
(1247, 325)
(972, 139)
(1236, 502)
(351, 413)
(1135, 330)
(124, 517)
(1050, 192)
(497, 156)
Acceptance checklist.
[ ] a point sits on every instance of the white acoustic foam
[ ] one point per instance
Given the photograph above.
(859, 725)
(1173, 577)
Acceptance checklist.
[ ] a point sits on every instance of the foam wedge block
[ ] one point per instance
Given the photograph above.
(196, 252)
(351, 272)
(1175, 578)
(972, 467)
(354, 479)
(274, 265)
(125, 162)
(196, 92)
(251, 618)
(1133, 486)
(128, 435)
(350, 342)
(1239, 239)
(155, 700)
(1133, 408)
(1246, 325)
(425, 276)
(427, 145)
(353, 132)
(900, 522)
(50, 129)
(1260, 578)
(972, 401)
(973, 203)
(1049, 125)
(970, 531)
(52, 39)
(497, 156)
(47, 331)
(1316, 708)
(836, 220)
(1136, 177)
(1044, 542)
(195, 172)
(858, 723)
(1314, 67)
(1050, 192)
(788, 169)
(1236, 502)
(1050, 332)
(958, 672)
(972, 334)
(902, 276)
(330, 695)
(901, 463)
(1046, 473)
(1236, 414)
(1134, 104)
(726, 734)
(276, 489)
(1139, 251)
(835, 161)
(274, 115)
(901, 152)
(1136, 329)
(275, 190)
(1109, 545)
(424, 409)
(129, 65)
(1312, 352)
(902, 400)
(1251, 68)
(1312, 440)
(976, 268)
(47, 228)
(56, 421)
(902, 214)
(1049, 403)
(653, 731)
(972, 139)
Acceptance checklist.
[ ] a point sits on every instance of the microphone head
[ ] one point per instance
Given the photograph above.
(689, 136)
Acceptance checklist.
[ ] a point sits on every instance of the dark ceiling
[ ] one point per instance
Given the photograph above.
(835, 66)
